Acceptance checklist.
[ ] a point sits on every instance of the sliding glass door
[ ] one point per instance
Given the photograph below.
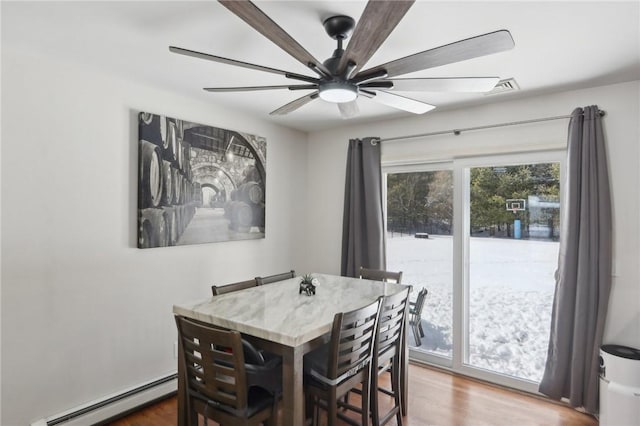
(482, 236)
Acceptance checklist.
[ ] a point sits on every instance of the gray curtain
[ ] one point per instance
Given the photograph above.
(363, 227)
(583, 278)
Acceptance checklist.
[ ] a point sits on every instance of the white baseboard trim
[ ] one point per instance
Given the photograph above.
(113, 405)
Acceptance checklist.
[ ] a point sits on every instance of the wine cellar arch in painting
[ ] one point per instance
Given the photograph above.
(198, 183)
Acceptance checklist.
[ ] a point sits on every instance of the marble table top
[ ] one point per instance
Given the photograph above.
(277, 312)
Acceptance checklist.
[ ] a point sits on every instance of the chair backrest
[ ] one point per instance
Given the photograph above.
(213, 362)
(352, 340)
(422, 295)
(380, 275)
(241, 285)
(274, 278)
(391, 324)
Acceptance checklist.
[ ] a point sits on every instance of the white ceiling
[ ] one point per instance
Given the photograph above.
(558, 46)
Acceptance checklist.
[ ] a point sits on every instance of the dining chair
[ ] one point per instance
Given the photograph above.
(415, 316)
(380, 275)
(388, 349)
(387, 357)
(241, 285)
(274, 278)
(217, 380)
(334, 369)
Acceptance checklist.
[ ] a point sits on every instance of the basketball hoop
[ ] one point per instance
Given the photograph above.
(516, 205)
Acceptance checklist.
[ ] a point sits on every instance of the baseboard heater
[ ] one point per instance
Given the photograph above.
(99, 411)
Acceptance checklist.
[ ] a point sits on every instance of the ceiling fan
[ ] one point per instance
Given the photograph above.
(341, 80)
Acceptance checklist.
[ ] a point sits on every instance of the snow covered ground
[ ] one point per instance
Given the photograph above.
(510, 297)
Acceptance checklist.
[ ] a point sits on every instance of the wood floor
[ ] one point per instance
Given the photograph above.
(436, 398)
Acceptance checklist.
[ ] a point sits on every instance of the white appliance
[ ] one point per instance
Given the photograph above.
(619, 386)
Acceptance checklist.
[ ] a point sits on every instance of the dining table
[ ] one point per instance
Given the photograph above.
(280, 319)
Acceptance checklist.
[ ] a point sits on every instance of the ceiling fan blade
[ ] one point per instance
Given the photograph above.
(462, 50)
(294, 105)
(260, 22)
(220, 59)
(348, 109)
(376, 23)
(256, 88)
(397, 101)
(453, 84)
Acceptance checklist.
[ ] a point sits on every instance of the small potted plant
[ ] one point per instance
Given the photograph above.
(308, 284)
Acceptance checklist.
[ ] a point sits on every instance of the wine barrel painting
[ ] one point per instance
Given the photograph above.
(197, 183)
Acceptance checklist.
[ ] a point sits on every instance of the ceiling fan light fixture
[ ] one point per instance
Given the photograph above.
(338, 92)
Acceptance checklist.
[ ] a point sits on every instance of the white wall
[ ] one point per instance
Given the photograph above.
(84, 312)
(327, 162)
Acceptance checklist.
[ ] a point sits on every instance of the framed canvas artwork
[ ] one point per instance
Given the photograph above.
(197, 183)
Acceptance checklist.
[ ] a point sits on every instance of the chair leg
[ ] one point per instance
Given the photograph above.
(416, 334)
(311, 409)
(420, 327)
(366, 398)
(273, 418)
(308, 406)
(316, 413)
(396, 386)
(345, 399)
(332, 408)
(192, 415)
(375, 414)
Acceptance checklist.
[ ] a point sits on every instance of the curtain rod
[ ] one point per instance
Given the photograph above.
(490, 126)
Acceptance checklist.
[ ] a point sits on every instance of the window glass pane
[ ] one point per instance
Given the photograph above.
(513, 254)
(420, 244)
